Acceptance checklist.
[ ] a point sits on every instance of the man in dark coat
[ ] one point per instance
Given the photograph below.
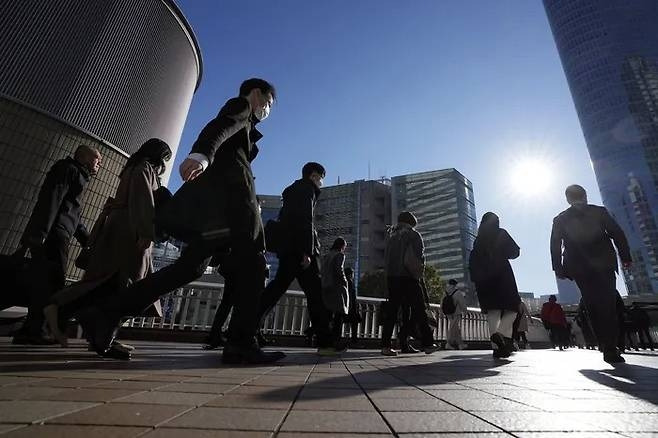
(299, 254)
(54, 221)
(581, 249)
(216, 213)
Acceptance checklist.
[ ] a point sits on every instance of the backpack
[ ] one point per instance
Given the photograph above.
(448, 306)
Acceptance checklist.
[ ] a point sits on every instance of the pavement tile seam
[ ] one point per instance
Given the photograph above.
(470, 413)
(292, 405)
(73, 411)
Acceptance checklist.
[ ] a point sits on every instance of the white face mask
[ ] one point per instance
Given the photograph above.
(262, 113)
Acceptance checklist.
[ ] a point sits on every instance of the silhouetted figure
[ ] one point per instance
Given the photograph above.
(215, 211)
(642, 323)
(335, 294)
(122, 237)
(520, 326)
(494, 281)
(552, 315)
(405, 263)
(353, 315)
(582, 319)
(299, 255)
(581, 249)
(457, 295)
(55, 220)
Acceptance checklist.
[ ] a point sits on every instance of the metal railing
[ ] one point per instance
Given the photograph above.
(193, 308)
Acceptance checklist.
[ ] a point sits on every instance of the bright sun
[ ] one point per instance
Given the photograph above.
(530, 176)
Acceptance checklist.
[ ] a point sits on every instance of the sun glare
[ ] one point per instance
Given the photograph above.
(531, 176)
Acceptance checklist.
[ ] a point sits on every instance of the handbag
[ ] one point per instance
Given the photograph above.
(84, 257)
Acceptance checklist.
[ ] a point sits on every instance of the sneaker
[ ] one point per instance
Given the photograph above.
(388, 351)
(431, 348)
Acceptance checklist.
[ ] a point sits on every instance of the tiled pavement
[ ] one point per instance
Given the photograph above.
(180, 391)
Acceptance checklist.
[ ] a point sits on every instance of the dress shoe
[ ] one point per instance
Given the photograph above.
(388, 351)
(429, 349)
(116, 352)
(252, 355)
(100, 328)
(408, 349)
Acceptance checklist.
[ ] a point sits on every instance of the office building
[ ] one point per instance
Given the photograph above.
(609, 52)
(568, 291)
(107, 73)
(359, 212)
(443, 202)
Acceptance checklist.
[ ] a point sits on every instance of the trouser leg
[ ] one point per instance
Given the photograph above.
(223, 309)
(248, 281)
(337, 326)
(46, 276)
(134, 299)
(414, 294)
(394, 300)
(599, 294)
(285, 274)
(493, 319)
(310, 282)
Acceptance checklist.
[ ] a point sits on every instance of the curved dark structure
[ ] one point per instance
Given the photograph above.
(108, 73)
(609, 51)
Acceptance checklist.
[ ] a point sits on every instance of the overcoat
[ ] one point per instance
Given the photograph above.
(499, 291)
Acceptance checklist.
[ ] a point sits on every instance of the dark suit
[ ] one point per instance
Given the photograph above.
(54, 221)
(581, 249)
(215, 213)
(300, 238)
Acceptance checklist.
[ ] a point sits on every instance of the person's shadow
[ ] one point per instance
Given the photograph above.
(449, 370)
(635, 380)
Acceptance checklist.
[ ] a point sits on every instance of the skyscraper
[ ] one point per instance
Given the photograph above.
(359, 212)
(609, 52)
(443, 202)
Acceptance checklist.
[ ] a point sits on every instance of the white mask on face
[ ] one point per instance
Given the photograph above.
(262, 113)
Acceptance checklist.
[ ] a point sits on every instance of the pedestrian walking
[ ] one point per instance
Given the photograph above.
(335, 293)
(299, 256)
(454, 306)
(520, 326)
(405, 263)
(494, 281)
(555, 322)
(54, 221)
(353, 315)
(214, 212)
(122, 237)
(582, 250)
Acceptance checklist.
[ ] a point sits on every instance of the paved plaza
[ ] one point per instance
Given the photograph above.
(172, 390)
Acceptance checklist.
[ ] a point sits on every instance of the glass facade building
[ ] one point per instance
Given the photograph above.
(444, 204)
(107, 73)
(359, 212)
(609, 52)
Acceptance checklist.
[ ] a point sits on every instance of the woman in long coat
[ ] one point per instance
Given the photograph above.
(335, 294)
(494, 281)
(123, 235)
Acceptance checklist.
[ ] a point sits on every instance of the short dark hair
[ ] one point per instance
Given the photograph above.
(311, 167)
(339, 243)
(83, 151)
(407, 217)
(552, 298)
(575, 193)
(253, 83)
(452, 281)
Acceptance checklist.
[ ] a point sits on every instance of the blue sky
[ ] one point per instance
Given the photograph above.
(406, 87)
